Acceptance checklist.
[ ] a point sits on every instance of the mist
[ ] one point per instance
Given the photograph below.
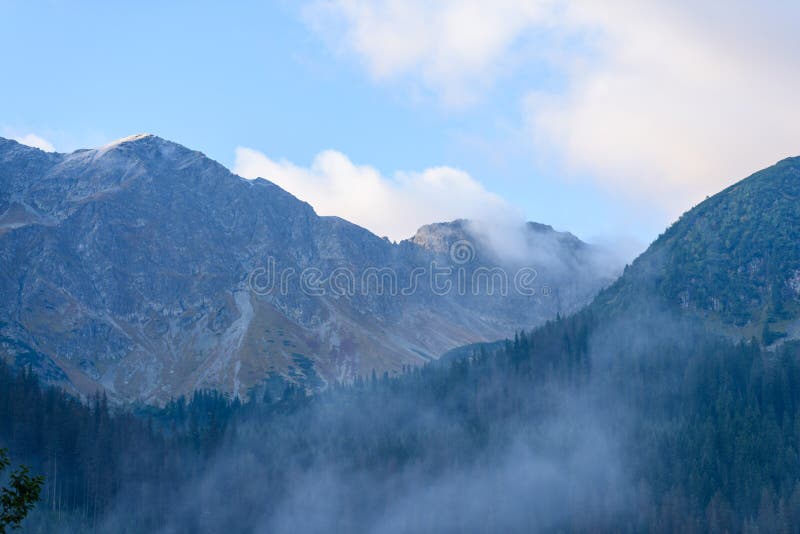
(582, 425)
(566, 472)
(513, 241)
(560, 454)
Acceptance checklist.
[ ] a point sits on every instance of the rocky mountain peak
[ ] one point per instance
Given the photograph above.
(148, 270)
(438, 237)
(135, 138)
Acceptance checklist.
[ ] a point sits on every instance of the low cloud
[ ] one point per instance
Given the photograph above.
(394, 206)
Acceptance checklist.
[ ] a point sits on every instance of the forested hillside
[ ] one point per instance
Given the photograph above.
(557, 430)
(733, 260)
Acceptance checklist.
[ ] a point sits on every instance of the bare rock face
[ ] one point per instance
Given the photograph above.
(147, 270)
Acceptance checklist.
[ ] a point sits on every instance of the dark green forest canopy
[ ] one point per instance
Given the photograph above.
(735, 258)
(705, 431)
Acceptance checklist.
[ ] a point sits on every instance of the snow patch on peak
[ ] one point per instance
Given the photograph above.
(139, 141)
(128, 139)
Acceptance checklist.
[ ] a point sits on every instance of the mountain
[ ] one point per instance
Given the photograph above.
(147, 270)
(632, 414)
(732, 262)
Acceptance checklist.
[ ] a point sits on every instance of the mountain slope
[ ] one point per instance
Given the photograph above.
(148, 270)
(733, 260)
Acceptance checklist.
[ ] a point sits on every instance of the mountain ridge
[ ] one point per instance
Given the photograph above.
(127, 268)
(732, 261)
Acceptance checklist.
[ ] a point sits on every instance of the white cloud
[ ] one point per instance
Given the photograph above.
(664, 100)
(683, 100)
(455, 47)
(393, 206)
(35, 141)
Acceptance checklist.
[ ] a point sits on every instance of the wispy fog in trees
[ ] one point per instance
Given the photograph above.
(639, 423)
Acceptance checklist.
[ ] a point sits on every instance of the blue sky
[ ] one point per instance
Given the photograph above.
(512, 99)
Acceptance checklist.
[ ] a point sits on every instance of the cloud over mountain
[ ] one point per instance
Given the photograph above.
(37, 142)
(658, 100)
(394, 206)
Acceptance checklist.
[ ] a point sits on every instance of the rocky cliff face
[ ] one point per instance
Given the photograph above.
(148, 270)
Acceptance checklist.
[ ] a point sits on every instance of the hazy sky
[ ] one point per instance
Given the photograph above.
(607, 119)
